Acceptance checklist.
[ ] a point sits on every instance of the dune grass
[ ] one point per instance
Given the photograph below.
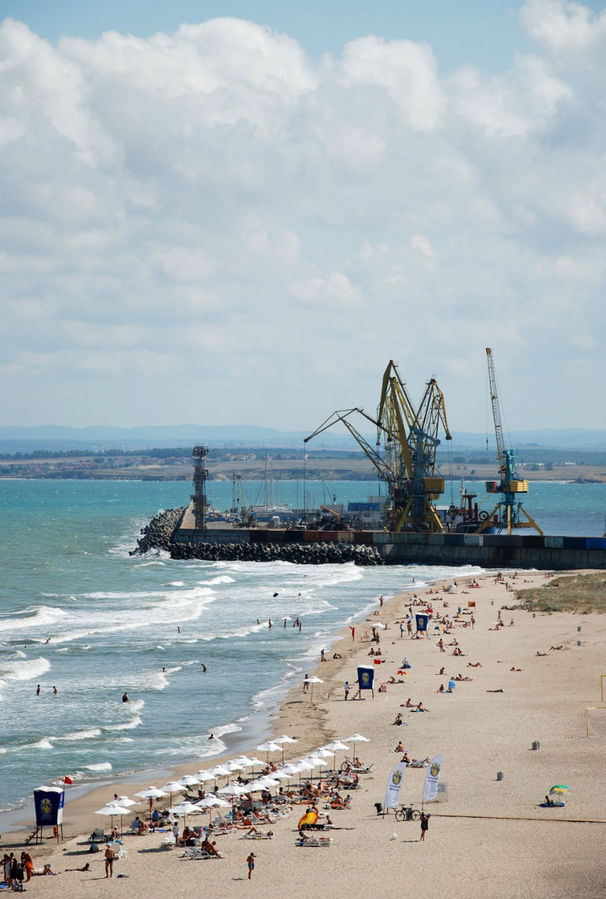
(582, 593)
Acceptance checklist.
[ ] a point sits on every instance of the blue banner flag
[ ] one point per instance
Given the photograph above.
(422, 620)
(48, 802)
(366, 676)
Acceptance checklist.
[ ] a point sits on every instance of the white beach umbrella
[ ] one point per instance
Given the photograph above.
(173, 786)
(150, 794)
(203, 776)
(112, 811)
(125, 801)
(283, 741)
(219, 771)
(313, 680)
(356, 738)
(211, 802)
(269, 747)
(244, 761)
(234, 765)
(336, 746)
(185, 808)
(189, 780)
(232, 789)
(324, 753)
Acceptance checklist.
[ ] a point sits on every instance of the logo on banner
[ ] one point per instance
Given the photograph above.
(430, 787)
(396, 778)
(46, 806)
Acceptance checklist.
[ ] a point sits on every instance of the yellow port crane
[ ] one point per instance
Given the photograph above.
(410, 440)
(508, 511)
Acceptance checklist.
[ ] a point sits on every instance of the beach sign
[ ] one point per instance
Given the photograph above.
(432, 776)
(422, 620)
(392, 790)
(48, 802)
(366, 674)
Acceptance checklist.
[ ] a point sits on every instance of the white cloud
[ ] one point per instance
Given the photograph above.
(213, 201)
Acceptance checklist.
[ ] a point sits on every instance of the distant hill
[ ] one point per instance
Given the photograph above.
(55, 437)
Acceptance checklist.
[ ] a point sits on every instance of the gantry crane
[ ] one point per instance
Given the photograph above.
(507, 513)
(409, 438)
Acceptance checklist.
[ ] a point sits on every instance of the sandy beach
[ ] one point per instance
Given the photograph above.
(489, 839)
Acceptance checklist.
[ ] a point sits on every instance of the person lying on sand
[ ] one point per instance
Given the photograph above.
(85, 867)
(500, 690)
(542, 653)
(460, 677)
(561, 646)
(474, 664)
(516, 669)
(45, 870)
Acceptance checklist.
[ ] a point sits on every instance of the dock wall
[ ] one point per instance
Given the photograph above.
(485, 550)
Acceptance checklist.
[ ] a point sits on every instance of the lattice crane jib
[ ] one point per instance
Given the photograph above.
(409, 440)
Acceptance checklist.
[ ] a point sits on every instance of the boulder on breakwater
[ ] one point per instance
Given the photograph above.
(159, 534)
(298, 553)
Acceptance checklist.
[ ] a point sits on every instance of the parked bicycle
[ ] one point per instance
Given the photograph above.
(407, 813)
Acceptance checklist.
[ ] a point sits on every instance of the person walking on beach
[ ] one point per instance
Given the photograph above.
(251, 864)
(424, 825)
(305, 684)
(109, 860)
(353, 631)
(347, 689)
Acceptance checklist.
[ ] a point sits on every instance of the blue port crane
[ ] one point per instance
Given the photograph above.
(508, 512)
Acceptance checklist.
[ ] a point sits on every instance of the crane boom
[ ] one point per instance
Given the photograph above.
(496, 410)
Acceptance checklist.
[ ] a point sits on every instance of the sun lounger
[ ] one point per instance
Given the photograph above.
(315, 842)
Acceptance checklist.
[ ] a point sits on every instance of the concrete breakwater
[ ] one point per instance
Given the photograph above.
(172, 531)
(163, 532)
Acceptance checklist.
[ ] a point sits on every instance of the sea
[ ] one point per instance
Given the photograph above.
(82, 617)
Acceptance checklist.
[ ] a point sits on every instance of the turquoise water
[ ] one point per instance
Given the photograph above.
(77, 612)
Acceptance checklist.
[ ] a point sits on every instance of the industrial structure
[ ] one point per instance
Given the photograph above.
(508, 511)
(409, 439)
(198, 497)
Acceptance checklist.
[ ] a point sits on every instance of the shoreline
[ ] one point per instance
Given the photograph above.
(490, 839)
(252, 729)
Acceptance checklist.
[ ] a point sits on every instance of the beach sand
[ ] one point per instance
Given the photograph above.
(489, 839)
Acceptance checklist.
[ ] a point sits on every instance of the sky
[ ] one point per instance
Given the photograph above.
(238, 212)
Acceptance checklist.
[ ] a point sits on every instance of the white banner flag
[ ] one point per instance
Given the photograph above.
(392, 791)
(430, 788)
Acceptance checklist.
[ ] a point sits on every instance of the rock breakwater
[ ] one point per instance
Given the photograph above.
(159, 534)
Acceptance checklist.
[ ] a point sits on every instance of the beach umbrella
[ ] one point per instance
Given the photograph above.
(211, 802)
(559, 789)
(203, 776)
(122, 800)
(189, 780)
(185, 808)
(269, 747)
(173, 786)
(232, 790)
(336, 746)
(244, 761)
(112, 810)
(255, 763)
(283, 740)
(313, 680)
(234, 766)
(356, 738)
(219, 771)
(150, 794)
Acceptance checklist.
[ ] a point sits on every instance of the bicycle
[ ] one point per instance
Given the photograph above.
(407, 813)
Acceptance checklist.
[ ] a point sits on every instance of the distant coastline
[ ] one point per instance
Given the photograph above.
(328, 468)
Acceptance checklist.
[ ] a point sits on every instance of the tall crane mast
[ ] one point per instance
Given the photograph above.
(509, 509)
